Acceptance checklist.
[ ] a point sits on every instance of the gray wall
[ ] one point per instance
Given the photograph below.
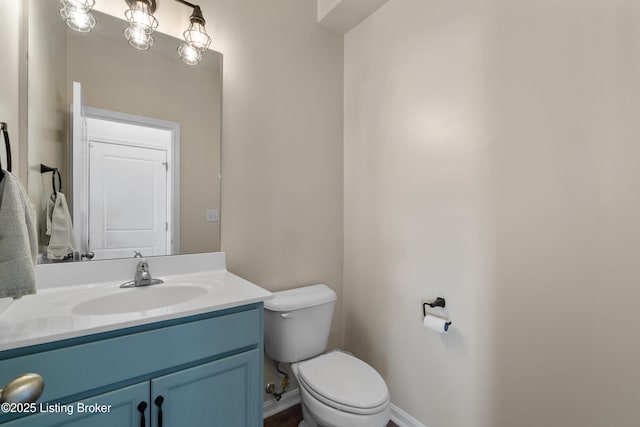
(49, 106)
(491, 158)
(12, 88)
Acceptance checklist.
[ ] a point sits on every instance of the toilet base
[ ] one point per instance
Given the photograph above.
(307, 421)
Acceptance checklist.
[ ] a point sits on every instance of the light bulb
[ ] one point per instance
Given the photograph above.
(197, 36)
(189, 54)
(138, 38)
(140, 16)
(76, 14)
(80, 19)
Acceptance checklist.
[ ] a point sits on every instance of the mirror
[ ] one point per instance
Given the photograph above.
(139, 158)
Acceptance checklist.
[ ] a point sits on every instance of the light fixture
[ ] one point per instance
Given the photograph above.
(77, 14)
(196, 39)
(142, 23)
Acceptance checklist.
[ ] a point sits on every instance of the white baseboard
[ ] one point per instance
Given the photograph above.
(290, 398)
(403, 419)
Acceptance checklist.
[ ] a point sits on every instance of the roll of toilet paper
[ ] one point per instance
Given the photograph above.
(437, 323)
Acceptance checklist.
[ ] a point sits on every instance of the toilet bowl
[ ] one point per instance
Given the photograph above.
(336, 389)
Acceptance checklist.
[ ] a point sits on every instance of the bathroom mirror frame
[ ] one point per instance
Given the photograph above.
(200, 174)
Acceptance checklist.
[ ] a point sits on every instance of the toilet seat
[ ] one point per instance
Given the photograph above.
(344, 382)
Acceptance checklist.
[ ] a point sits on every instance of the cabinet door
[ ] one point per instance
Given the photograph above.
(223, 393)
(117, 408)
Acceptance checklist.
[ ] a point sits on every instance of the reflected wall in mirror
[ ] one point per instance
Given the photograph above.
(120, 173)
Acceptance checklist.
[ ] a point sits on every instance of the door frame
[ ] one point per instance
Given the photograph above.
(81, 171)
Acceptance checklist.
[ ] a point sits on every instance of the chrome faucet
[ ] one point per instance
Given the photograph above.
(142, 277)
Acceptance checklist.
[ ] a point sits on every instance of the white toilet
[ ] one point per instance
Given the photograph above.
(336, 389)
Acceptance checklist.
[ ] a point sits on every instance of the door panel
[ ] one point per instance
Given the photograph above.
(120, 408)
(222, 393)
(127, 200)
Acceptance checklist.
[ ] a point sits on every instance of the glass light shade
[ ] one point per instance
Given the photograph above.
(189, 54)
(82, 5)
(197, 36)
(76, 14)
(140, 17)
(138, 38)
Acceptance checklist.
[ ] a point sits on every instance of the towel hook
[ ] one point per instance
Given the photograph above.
(7, 146)
(45, 169)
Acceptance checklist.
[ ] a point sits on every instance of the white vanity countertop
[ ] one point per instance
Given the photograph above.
(62, 312)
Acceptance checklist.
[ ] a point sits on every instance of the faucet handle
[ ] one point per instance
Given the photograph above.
(142, 276)
(143, 270)
(137, 254)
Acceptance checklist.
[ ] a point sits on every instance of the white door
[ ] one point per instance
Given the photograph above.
(128, 209)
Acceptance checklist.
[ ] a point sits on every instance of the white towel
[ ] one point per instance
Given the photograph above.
(18, 241)
(62, 239)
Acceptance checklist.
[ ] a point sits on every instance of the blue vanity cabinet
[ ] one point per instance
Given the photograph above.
(215, 394)
(117, 408)
(206, 369)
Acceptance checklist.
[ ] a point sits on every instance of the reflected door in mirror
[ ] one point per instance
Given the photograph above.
(128, 204)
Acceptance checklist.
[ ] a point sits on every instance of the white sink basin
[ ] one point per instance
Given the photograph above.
(139, 299)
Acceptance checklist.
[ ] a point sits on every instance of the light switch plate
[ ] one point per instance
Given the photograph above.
(213, 215)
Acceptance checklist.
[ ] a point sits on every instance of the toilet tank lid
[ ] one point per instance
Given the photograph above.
(295, 299)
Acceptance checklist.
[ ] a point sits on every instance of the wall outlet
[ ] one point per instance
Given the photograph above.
(213, 215)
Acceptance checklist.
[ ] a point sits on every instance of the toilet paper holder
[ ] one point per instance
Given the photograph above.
(438, 302)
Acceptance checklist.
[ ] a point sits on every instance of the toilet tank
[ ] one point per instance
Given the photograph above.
(297, 323)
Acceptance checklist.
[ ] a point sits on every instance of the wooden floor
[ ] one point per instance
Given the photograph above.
(291, 417)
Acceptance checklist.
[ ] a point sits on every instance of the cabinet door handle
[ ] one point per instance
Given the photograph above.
(158, 402)
(141, 407)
